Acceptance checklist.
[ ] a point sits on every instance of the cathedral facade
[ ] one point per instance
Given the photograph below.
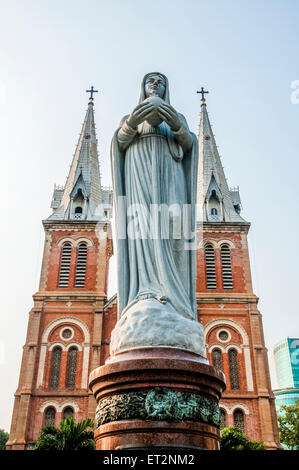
(71, 320)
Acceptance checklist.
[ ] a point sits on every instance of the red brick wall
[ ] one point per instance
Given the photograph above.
(232, 305)
(91, 263)
(57, 303)
(218, 304)
(237, 255)
(235, 340)
(251, 420)
(37, 418)
(55, 337)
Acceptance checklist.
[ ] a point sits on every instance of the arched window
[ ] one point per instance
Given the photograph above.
(81, 265)
(222, 419)
(210, 267)
(214, 205)
(50, 414)
(233, 369)
(239, 419)
(217, 358)
(227, 278)
(65, 263)
(71, 367)
(67, 412)
(78, 203)
(55, 367)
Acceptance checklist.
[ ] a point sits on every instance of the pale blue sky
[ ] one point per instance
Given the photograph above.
(244, 52)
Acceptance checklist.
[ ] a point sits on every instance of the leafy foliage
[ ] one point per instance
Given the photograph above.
(69, 436)
(288, 424)
(3, 439)
(255, 445)
(232, 438)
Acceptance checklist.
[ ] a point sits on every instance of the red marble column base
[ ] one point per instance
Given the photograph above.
(141, 393)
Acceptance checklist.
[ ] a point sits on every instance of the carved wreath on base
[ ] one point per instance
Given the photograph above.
(158, 404)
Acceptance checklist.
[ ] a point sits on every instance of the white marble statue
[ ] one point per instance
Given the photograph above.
(154, 166)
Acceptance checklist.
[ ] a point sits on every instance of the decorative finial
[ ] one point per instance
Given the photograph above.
(91, 91)
(202, 92)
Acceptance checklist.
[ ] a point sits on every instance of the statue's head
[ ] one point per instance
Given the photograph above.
(155, 84)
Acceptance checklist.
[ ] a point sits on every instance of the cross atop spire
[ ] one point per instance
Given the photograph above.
(83, 189)
(91, 91)
(217, 202)
(202, 92)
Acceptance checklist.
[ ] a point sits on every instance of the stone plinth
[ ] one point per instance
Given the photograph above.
(157, 397)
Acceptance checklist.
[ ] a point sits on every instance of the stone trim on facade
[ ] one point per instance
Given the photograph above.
(245, 346)
(59, 407)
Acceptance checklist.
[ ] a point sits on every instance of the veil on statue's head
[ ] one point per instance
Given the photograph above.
(142, 92)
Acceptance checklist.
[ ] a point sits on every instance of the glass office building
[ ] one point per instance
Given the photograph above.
(286, 358)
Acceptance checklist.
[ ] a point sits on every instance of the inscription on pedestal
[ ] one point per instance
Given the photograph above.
(158, 404)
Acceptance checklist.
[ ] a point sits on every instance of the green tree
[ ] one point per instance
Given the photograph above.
(232, 438)
(69, 436)
(3, 439)
(288, 424)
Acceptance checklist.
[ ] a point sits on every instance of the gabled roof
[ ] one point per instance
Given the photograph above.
(79, 184)
(84, 167)
(210, 168)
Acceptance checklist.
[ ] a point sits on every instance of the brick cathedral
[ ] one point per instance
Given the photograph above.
(71, 319)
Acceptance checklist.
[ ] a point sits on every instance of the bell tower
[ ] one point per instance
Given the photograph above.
(227, 305)
(64, 336)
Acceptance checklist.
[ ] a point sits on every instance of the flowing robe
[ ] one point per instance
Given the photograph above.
(149, 167)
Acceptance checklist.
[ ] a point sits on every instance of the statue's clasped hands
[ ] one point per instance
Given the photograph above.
(170, 116)
(144, 110)
(140, 114)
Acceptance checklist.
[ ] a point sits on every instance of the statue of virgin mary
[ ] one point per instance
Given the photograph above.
(154, 166)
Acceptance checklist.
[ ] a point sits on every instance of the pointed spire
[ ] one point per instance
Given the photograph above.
(81, 197)
(218, 202)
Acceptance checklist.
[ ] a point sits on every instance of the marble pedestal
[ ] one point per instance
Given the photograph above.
(157, 397)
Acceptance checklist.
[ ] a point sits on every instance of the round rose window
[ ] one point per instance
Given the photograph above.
(223, 335)
(67, 333)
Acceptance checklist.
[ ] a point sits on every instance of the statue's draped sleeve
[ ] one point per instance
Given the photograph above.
(126, 134)
(183, 136)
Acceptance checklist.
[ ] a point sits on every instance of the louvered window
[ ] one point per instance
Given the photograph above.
(233, 369)
(55, 367)
(217, 358)
(210, 267)
(227, 278)
(50, 414)
(65, 263)
(81, 265)
(239, 420)
(71, 368)
(223, 419)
